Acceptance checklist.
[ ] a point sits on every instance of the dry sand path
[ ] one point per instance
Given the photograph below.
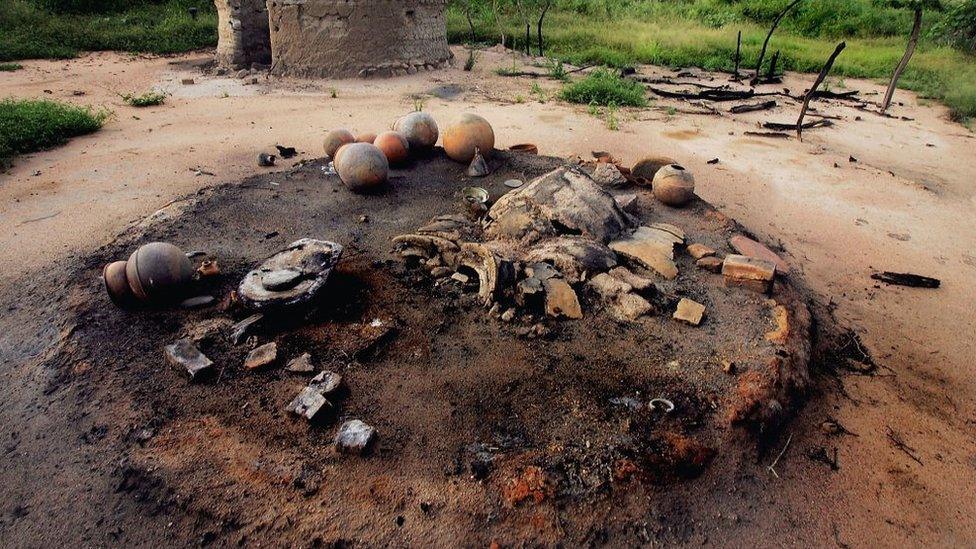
(907, 204)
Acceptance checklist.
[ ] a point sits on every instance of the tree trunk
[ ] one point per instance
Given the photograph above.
(738, 54)
(762, 52)
(909, 51)
(528, 39)
(816, 84)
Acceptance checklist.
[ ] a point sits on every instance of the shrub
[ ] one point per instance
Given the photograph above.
(602, 87)
(10, 67)
(28, 125)
(149, 99)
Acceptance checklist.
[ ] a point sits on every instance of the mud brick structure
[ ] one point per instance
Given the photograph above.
(334, 38)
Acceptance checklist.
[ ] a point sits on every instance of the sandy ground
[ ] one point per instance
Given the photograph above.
(906, 204)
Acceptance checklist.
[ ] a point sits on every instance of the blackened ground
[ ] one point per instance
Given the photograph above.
(483, 434)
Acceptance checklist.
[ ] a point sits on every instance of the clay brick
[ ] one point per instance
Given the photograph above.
(750, 272)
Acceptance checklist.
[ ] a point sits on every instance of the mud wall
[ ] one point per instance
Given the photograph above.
(243, 35)
(343, 38)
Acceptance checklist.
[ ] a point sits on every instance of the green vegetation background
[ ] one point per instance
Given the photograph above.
(612, 32)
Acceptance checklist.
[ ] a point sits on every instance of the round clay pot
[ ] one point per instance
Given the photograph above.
(158, 271)
(419, 128)
(394, 146)
(673, 185)
(362, 167)
(648, 167)
(335, 139)
(366, 137)
(117, 285)
(465, 135)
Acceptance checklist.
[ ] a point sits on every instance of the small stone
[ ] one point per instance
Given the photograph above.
(364, 218)
(242, 329)
(309, 404)
(187, 81)
(755, 274)
(197, 302)
(508, 315)
(243, 73)
(699, 251)
(326, 382)
(301, 364)
(627, 202)
(750, 248)
(253, 80)
(354, 437)
(262, 356)
(266, 160)
(630, 307)
(281, 280)
(561, 299)
(689, 311)
(185, 354)
(609, 287)
(710, 263)
(514, 183)
(609, 176)
(830, 427)
(728, 367)
(441, 272)
(495, 308)
(460, 277)
(207, 330)
(478, 167)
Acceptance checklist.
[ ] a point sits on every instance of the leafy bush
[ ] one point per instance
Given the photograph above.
(28, 125)
(602, 87)
(959, 25)
(149, 99)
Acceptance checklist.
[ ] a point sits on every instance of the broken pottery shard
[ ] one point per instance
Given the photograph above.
(573, 256)
(301, 364)
(451, 227)
(609, 176)
(630, 307)
(312, 259)
(638, 282)
(326, 382)
(781, 317)
(750, 248)
(609, 287)
(426, 245)
(627, 202)
(564, 201)
(561, 299)
(243, 328)
(651, 248)
(755, 274)
(494, 270)
(689, 311)
(710, 263)
(309, 403)
(184, 354)
(354, 437)
(262, 356)
(527, 291)
(699, 251)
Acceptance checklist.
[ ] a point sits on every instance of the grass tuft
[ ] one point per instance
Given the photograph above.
(29, 125)
(149, 99)
(603, 87)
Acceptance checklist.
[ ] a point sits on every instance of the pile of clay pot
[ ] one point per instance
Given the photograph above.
(363, 162)
(540, 243)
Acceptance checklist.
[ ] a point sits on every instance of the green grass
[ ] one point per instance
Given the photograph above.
(10, 67)
(149, 99)
(29, 125)
(702, 33)
(29, 32)
(603, 87)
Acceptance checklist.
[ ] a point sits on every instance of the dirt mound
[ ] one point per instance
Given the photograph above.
(486, 426)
